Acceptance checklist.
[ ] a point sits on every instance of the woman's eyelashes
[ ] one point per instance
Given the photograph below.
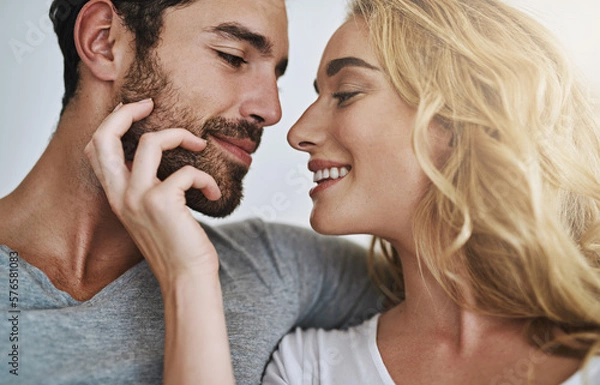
(343, 97)
(232, 60)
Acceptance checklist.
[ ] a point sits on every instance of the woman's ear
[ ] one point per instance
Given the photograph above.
(97, 30)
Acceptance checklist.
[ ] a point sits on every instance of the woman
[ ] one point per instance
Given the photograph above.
(454, 132)
(474, 156)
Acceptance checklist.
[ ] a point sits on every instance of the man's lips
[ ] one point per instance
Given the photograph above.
(240, 149)
(247, 145)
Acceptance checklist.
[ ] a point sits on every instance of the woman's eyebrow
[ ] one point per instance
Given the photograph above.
(336, 65)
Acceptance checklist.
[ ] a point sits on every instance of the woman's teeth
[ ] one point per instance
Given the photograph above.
(330, 173)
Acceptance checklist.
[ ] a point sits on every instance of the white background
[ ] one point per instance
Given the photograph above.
(278, 182)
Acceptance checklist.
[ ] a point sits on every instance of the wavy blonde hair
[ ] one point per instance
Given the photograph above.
(514, 211)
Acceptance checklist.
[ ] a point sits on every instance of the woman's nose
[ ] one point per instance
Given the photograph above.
(306, 133)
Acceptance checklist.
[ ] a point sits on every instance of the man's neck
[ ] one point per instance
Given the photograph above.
(60, 222)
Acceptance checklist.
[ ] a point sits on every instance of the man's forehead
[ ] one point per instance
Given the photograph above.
(261, 17)
(265, 12)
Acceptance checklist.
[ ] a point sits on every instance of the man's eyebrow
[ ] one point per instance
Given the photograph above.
(281, 67)
(239, 32)
(336, 65)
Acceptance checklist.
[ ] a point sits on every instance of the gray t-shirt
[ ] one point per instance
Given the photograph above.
(274, 278)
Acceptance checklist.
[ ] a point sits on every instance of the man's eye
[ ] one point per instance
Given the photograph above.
(343, 97)
(232, 60)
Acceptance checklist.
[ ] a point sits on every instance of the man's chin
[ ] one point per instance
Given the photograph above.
(216, 209)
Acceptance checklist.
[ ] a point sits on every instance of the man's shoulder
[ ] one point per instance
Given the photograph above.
(259, 233)
(253, 226)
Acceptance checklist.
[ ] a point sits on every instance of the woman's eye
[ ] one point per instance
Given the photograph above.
(343, 97)
(232, 60)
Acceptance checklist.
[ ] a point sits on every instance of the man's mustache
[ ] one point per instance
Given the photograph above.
(236, 129)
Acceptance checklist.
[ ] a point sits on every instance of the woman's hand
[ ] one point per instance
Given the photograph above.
(154, 212)
(177, 249)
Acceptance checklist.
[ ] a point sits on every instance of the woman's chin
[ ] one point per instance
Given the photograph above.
(326, 225)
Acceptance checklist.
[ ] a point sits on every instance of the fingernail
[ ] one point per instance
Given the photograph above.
(118, 107)
(145, 100)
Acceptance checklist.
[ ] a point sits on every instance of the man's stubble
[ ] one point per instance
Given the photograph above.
(145, 79)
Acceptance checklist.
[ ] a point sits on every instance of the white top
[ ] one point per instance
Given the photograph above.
(349, 357)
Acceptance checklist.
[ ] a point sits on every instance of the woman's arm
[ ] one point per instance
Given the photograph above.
(173, 243)
(196, 345)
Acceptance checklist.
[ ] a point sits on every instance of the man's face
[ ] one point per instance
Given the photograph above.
(214, 73)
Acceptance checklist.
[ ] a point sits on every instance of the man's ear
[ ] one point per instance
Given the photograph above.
(97, 30)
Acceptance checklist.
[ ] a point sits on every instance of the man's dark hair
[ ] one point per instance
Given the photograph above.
(142, 17)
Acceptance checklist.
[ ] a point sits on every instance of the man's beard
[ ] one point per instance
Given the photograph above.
(147, 79)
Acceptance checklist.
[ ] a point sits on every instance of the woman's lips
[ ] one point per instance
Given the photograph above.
(239, 149)
(322, 186)
(326, 174)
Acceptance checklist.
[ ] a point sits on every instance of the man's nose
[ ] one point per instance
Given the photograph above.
(262, 104)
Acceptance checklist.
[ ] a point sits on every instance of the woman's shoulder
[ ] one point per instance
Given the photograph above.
(320, 342)
(328, 357)
(590, 374)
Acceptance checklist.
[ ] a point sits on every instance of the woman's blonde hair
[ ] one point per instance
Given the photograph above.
(514, 210)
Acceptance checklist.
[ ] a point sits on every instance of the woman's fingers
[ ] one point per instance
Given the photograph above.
(150, 150)
(164, 229)
(105, 149)
(109, 167)
(190, 177)
(165, 200)
(120, 120)
(107, 138)
(125, 189)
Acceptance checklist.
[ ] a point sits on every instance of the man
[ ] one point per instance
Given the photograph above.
(81, 305)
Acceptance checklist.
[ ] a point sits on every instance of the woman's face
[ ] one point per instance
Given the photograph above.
(358, 135)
